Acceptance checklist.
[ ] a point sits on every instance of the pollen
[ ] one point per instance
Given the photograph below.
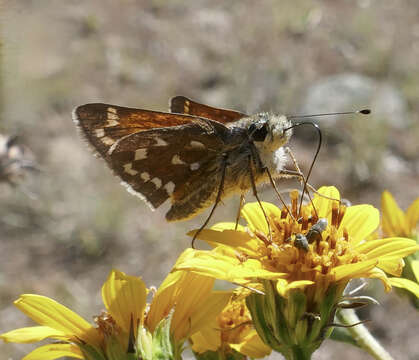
(106, 324)
(304, 245)
(234, 321)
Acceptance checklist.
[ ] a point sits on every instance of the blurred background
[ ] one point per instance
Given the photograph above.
(67, 222)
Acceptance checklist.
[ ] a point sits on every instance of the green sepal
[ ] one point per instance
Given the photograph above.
(163, 348)
(256, 305)
(287, 325)
(144, 343)
(115, 351)
(91, 352)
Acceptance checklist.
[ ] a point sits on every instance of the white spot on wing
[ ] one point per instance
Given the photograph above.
(197, 144)
(176, 160)
(100, 133)
(156, 181)
(194, 166)
(145, 176)
(111, 122)
(140, 154)
(169, 187)
(112, 117)
(129, 170)
(160, 142)
(107, 140)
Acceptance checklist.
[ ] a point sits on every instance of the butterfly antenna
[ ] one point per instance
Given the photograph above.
(362, 111)
(319, 144)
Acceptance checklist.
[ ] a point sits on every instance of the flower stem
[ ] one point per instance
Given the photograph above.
(298, 353)
(362, 336)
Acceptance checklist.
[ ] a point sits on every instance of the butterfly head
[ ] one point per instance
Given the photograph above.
(269, 131)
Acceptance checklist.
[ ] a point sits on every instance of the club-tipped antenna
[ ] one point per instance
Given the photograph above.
(362, 111)
(319, 144)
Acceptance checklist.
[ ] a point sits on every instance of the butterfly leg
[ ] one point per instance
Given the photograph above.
(255, 193)
(303, 179)
(299, 174)
(289, 174)
(239, 210)
(217, 199)
(271, 180)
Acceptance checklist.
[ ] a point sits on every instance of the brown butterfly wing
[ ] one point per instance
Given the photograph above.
(104, 124)
(183, 105)
(154, 161)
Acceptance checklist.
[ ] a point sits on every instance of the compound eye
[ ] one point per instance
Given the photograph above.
(258, 133)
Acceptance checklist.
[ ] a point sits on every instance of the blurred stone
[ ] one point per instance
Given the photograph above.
(350, 91)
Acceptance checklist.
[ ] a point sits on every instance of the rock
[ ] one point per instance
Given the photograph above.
(351, 91)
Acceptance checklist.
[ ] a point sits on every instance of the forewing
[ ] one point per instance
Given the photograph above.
(104, 125)
(154, 163)
(183, 105)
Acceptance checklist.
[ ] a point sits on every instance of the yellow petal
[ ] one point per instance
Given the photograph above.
(255, 218)
(406, 284)
(393, 266)
(283, 286)
(227, 226)
(48, 312)
(208, 263)
(377, 273)
(191, 293)
(412, 216)
(351, 271)
(223, 263)
(219, 235)
(252, 346)
(125, 298)
(394, 222)
(33, 334)
(323, 204)
(207, 338)
(54, 351)
(181, 291)
(201, 312)
(390, 247)
(360, 221)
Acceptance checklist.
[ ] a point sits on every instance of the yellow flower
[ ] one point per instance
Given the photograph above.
(231, 331)
(126, 329)
(125, 299)
(191, 298)
(302, 266)
(339, 255)
(395, 222)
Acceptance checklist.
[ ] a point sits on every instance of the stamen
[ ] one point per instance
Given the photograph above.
(342, 210)
(335, 214)
(304, 223)
(294, 202)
